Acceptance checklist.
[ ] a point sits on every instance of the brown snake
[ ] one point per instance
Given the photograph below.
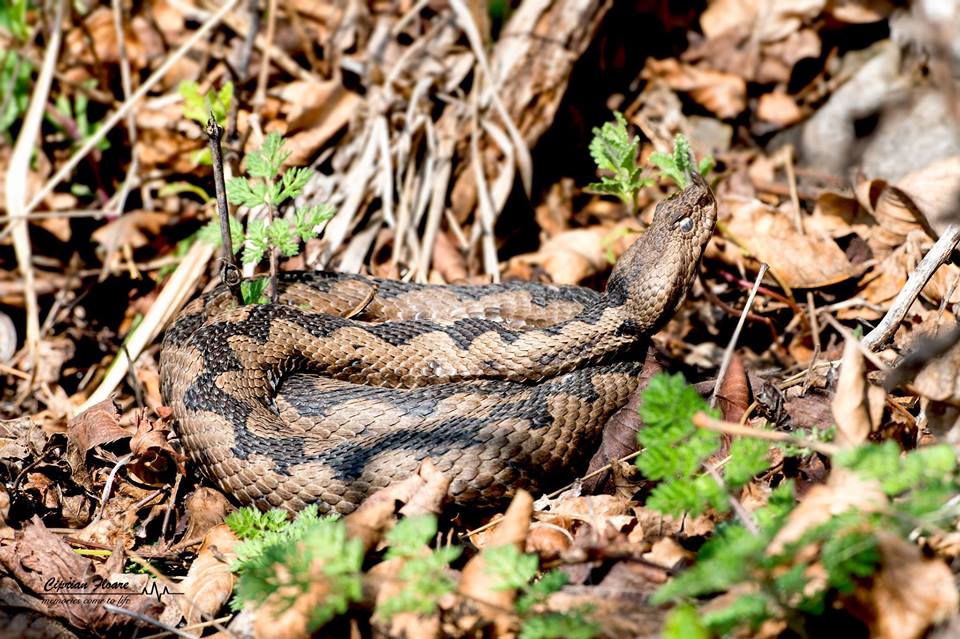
(348, 382)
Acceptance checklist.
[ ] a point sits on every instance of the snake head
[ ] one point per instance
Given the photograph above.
(652, 277)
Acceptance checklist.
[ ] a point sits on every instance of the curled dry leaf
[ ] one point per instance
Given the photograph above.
(99, 424)
(857, 405)
(733, 398)
(771, 236)
(548, 540)
(932, 190)
(209, 582)
(205, 508)
(909, 594)
(896, 215)
(477, 586)
(154, 459)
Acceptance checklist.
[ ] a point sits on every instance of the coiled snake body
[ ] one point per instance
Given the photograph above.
(349, 382)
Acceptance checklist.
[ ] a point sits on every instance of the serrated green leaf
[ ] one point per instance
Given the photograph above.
(683, 622)
(410, 535)
(281, 238)
(242, 192)
(266, 161)
(748, 458)
(555, 625)
(210, 233)
(308, 218)
(293, 182)
(512, 568)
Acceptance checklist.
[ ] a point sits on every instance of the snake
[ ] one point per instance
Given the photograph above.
(347, 383)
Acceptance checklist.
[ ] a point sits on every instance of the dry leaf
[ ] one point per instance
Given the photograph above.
(99, 424)
(44, 564)
(771, 20)
(772, 237)
(855, 408)
(568, 258)
(204, 508)
(860, 11)
(844, 490)
(722, 93)
(909, 594)
(478, 586)
(548, 540)
(933, 191)
(779, 108)
(133, 229)
(376, 514)
(154, 459)
(209, 582)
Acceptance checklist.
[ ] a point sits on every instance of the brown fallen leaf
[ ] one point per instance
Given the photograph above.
(779, 108)
(44, 564)
(204, 508)
(771, 236)
(154, 459)
(134, 229)
(771, 21)
(478, 587)
(572, 256)
(99, 424)
(932, 190)
(725, 94)
(377, 512)
(548, 540)
(909, 594)
(843, 491)
(209, 582)
(857, 405)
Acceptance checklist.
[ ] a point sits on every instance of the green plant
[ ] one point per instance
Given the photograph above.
(517, 571)
(277, 556)
(425, 573)
(198, 107)
(269, 541)
(267, 186)
(614, 150)
(263, 188)
(15, 74)
(679, 165)
(676, 450)
(776, 584)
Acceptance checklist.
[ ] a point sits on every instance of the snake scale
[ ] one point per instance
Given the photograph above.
(348, 382)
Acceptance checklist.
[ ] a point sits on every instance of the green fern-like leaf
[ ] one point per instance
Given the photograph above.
(513, 569)
(613, 149)
(556, 625)
(266, 161)
(748, 458)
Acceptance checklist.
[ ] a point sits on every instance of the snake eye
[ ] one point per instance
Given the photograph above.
(685, 224)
